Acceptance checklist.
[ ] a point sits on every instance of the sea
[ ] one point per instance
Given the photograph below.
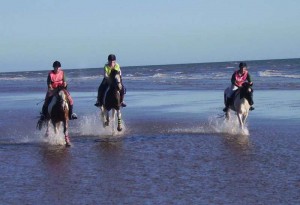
(175, 147)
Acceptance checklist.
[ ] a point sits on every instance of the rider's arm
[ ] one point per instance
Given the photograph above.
(249, 79)
(105, 74)
(233, 79)
(65, 80)
(49, 82)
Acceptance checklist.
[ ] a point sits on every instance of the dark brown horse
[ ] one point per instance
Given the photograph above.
(58, 111)
(112, 101)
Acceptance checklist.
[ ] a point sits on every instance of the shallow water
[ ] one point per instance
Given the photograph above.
(174, 150)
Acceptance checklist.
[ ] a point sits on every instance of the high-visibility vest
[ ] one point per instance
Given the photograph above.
(57, 79)
(240, 78)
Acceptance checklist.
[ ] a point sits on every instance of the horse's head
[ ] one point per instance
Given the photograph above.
(115, 79)
(62, 98)
(246, 90)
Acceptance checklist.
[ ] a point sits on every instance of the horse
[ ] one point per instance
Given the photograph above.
(241, 103)
(58, 110)
(112, 101)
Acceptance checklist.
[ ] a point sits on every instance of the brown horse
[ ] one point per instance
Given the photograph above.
(58, 111)
(112, 101)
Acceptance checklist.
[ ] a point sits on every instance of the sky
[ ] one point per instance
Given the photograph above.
(81, 34)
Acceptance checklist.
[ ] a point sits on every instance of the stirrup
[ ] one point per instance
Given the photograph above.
(251, 108)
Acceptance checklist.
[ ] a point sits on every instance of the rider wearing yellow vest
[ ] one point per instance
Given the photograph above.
(237, 79)
(111, 65)
(56, 78)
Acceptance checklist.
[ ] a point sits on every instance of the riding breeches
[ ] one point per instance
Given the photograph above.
(230, 90)
(101, 91)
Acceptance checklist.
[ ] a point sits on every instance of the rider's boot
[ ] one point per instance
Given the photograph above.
(44, 112)
(251, 102)
(227, 104)
(123, 104)
(101, 92)
(72, 116)
(43, 117)
(97, 104)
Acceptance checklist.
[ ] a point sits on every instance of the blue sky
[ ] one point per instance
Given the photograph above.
(81, 34)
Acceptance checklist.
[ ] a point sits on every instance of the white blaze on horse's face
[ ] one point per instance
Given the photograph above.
(118, 80)
(64, 99)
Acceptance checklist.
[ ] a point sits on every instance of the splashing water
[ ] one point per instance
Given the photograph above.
(230, 126)
(93, 126)
(51, 138)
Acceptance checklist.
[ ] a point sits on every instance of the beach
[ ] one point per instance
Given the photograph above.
(175, 148)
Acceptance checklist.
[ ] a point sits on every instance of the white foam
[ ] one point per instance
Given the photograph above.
(92, 125)
(231, 126)
(276, 73)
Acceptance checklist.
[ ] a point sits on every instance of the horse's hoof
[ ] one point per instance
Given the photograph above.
(39, 125)
(67, 139)
(119, 129)
(106, 123)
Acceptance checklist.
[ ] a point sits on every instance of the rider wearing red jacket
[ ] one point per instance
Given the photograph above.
(56, 78)
(237, 79)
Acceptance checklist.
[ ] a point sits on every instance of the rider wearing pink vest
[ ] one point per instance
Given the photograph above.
(56, 78)
(238, 78)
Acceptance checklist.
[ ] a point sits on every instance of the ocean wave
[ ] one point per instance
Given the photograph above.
(12, 78)
(276, 73)
(159, 75)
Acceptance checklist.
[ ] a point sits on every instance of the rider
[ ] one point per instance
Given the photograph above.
(56, 78)
(238, 78)
(112, 64)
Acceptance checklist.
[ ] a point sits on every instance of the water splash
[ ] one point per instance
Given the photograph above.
(231, 126)
(92, 125)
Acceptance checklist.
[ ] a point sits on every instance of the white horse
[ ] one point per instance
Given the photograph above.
(58, 111)
(241, 104)
(112, 102)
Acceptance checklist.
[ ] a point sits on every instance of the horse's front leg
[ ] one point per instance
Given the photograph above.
(241, 121)
(106, 118)
(113, 116)
(119, 128)
(66, 132)
(227, 115)
(102, 115)
(47, 130)
(55, 125)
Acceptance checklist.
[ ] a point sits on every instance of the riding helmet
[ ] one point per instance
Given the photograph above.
(242, 65)
(111, 57)
(56, 64)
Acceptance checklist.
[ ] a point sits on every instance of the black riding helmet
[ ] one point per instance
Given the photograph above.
(242, 65)
(111, 57)
(56, 64)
